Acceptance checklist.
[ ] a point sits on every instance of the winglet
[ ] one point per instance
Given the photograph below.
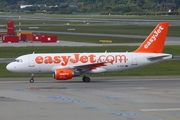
(154, 43)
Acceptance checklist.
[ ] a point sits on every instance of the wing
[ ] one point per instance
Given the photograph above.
(90, 68)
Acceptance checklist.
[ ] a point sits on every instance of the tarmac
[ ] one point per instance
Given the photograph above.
(104, 98)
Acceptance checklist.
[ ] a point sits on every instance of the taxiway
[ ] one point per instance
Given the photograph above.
(105, 98)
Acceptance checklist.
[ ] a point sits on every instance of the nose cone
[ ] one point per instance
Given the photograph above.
(10, 67)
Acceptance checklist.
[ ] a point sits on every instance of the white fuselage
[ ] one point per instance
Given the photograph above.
(116, 61)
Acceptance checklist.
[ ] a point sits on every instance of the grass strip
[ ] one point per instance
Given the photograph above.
(91, 27)
(96, 39)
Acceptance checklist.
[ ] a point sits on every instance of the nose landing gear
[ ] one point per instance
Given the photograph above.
(32, 78)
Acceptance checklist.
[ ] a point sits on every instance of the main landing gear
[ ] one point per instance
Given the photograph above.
(32, 78)
(86, 79)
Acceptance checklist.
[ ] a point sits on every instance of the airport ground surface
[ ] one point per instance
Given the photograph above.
(104, 98)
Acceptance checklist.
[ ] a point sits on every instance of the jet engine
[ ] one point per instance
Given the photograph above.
(65, 74)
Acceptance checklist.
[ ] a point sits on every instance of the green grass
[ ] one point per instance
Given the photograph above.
(96, 39)
(12, 52)
(107, 29)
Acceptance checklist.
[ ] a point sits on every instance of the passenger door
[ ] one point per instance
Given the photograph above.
(31, 61)
(134, 59)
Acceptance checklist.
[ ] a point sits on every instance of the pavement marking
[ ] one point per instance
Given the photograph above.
(112, 98)
(67, 99)
(97, 107)
(126, 114)
(166, 109)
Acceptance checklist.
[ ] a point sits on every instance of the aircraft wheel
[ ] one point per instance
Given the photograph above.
(31, 80)
(86, 79)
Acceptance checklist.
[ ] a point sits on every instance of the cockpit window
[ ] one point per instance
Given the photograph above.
(17, 60)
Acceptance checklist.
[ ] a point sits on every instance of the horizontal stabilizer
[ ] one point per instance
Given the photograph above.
(160, 57)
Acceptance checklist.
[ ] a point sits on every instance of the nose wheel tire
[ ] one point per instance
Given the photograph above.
(31, 80)
(86, 79)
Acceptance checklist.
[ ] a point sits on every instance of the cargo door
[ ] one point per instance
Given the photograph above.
(134, 59)
(31, 61)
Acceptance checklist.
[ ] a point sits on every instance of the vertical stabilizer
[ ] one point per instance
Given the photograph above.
(154, 43)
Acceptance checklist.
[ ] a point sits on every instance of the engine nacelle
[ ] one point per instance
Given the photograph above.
(63, 74)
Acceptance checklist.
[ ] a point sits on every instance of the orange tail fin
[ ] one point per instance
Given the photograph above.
(154, 43)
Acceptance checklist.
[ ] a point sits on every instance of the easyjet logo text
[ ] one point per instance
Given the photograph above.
(78, 58)
(154, 37)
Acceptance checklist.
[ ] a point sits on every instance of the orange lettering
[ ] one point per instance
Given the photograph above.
(110, 59)
(102, 58)
(84, 59)
(57, 59)
(48, 60)
(121, 57)
(76, 59)
(39, 60)
(92, 58)
(65, 60)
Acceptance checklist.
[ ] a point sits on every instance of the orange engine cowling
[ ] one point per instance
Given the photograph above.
(63, 74)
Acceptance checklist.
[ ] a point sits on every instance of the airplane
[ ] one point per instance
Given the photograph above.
(64, 66)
